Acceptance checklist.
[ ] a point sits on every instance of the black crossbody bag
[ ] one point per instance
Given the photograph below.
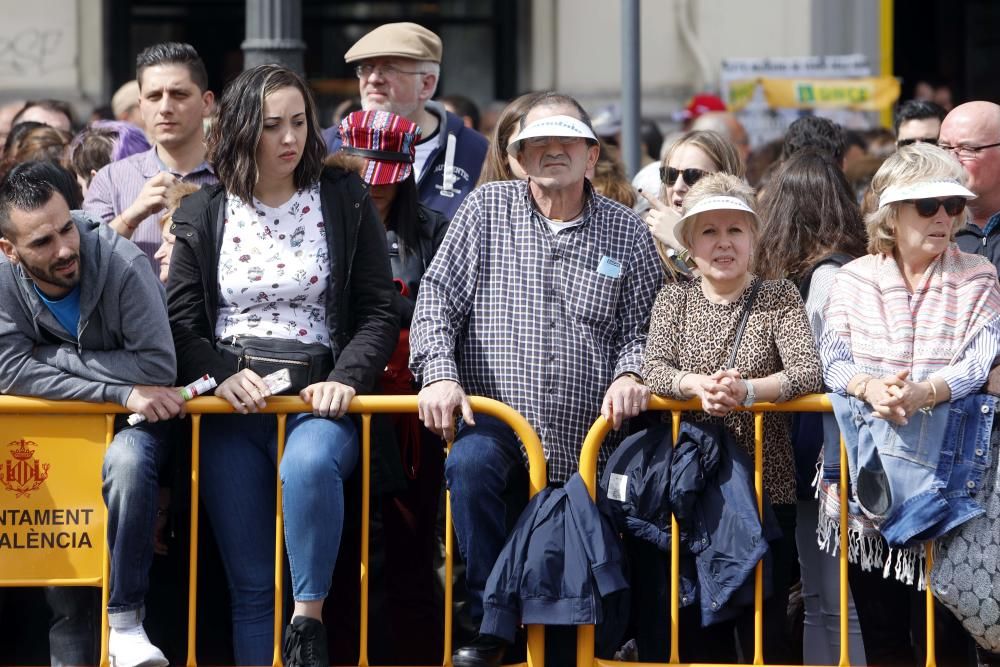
(307, 363)
(747, 307)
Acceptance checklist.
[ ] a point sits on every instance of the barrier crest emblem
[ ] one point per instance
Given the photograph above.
(21, 473)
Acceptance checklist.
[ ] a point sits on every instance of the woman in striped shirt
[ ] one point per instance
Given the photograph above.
(916, 322)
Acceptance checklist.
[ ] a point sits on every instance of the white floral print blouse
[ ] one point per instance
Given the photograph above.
(273, 270)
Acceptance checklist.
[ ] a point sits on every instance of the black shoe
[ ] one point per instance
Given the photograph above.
(305, 644)
(484, 651)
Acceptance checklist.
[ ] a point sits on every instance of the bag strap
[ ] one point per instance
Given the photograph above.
(747, 307)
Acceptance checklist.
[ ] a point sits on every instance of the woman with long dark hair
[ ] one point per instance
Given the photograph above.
(809, 213)
(811, 227)
(282, 265)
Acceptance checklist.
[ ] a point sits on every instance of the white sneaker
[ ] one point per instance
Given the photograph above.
(132, 648)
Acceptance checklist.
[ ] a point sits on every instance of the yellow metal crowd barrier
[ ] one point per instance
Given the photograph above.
(69, 427)
(74, 436)
(813, 403)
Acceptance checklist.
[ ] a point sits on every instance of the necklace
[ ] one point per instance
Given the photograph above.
(573, 217)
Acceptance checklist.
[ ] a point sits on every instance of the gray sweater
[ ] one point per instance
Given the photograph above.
(123, 337)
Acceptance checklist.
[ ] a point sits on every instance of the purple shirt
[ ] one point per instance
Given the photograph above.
(116, 186)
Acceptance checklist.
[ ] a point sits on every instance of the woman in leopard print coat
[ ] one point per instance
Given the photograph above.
(691, 336)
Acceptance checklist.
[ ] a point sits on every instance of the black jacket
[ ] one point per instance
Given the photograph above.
(363, 324)
(410, 268)
(971, 239)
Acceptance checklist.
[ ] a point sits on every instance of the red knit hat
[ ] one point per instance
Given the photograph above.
(387, 142)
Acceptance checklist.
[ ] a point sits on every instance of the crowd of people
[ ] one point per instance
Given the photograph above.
(402, 251)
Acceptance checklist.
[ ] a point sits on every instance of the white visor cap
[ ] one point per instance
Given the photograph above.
(552, 126)
(716, 203)
(924, 190)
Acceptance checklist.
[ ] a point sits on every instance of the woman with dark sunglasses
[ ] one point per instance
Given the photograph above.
(912, 325)
(692, 156)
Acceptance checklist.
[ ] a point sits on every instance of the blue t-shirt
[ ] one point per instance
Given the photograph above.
(66, 309)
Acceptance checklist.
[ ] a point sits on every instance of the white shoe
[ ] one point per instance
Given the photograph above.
(132, 648)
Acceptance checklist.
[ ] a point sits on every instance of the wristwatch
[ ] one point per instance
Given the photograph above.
(751, 394)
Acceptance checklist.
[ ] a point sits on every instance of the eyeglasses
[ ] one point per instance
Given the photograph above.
(917, 140)
(365, 70)
(967, 151)
(539, 142)
(928, 208)
(691, 175)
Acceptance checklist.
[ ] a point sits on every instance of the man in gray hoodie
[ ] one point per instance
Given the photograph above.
(84, 318)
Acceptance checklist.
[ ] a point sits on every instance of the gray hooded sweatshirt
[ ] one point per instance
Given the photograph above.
(123, 338)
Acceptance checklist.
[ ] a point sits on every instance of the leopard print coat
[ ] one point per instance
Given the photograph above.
(690, 334)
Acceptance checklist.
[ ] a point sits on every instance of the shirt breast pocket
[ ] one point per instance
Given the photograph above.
(594, 298)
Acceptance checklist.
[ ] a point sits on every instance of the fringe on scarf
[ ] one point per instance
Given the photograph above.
(867, 550)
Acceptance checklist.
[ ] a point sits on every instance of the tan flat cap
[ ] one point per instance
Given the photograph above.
(400, 40)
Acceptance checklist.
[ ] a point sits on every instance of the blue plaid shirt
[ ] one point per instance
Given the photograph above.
(543, 322)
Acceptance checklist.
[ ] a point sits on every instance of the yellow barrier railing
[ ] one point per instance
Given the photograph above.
(366, 406)
(812, 403)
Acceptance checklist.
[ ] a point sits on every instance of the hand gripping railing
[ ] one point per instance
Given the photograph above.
(812, 403)
(366, 406)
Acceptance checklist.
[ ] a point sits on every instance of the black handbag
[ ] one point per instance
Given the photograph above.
(307, 363)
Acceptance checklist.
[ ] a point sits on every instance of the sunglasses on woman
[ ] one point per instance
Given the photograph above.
(928, 208)
(691, 175)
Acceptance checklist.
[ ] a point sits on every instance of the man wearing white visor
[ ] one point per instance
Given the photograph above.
(538, 297)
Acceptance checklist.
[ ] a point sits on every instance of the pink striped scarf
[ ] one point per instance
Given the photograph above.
(889, 330)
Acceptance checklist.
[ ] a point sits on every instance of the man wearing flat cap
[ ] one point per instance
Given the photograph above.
(398, 66)
(539, 297)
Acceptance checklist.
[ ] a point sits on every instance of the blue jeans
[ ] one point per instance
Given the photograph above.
(131, 490)
(238, 458)
(488, 481)
(75, 625)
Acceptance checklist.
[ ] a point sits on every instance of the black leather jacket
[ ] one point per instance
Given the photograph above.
(410, 268)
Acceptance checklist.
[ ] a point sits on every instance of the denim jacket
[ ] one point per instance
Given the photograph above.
(926, 473)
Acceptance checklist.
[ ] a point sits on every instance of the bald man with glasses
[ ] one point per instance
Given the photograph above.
(971, 132)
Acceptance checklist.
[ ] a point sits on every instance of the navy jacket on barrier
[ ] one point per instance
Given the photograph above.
(561, 559)
(706, 480)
